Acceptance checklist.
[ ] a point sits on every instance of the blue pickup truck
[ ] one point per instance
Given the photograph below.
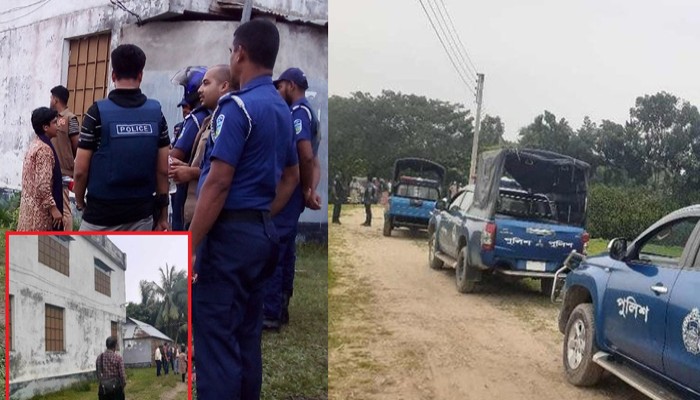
(635, 310)
(521, 226)
(415, 191)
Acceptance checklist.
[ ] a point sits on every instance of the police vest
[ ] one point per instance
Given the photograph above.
(314, 123)
(124, 165)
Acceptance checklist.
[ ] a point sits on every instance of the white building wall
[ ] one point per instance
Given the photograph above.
(87, 313)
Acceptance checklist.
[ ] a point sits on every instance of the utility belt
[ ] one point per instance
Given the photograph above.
(244, 215)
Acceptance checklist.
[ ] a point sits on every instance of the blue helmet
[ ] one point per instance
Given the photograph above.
(190, 78)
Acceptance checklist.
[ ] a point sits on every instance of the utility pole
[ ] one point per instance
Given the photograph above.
(477, 124)
(247, 10)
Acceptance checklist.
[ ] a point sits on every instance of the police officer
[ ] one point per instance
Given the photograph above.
(235, 239)
(339, 195)
(292, 86)
(122, 156)
(216, 83)
(368, 199)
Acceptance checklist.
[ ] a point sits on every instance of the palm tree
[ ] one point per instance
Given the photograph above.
(169, 293)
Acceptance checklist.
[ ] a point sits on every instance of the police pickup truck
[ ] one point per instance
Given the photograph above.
(635, 310)
(523, 229)
(414, 192)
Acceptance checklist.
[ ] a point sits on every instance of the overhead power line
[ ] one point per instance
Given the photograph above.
(447, 32)
(449, 54)
(40, 4)
(462, 47)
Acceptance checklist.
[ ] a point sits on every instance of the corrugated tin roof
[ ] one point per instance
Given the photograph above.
(306, 11)
(141, 329)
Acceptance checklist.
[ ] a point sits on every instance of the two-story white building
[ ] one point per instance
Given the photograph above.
(67, 296)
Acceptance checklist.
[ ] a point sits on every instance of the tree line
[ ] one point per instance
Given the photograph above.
(657, 147)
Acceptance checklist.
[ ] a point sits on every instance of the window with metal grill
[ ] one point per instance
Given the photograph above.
(88, 63)
(54, 328)
(54, 254)
(103, 281)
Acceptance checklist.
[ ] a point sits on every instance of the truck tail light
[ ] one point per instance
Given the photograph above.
(488, 239)
(585, 237)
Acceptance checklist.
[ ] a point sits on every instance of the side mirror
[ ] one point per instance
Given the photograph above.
(617, 248)
(441, 204)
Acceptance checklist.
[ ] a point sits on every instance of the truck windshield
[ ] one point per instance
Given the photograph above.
(417, 192)
(524, 205)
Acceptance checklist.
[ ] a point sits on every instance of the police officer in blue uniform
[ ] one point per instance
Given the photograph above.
(232, 231)
(122, 157)
(292, 85)
(191, 79)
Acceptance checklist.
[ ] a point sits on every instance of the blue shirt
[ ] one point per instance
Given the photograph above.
(251, 131)
(190, 128)
(304, 126)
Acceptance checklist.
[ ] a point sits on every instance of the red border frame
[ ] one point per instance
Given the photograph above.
(100, 233)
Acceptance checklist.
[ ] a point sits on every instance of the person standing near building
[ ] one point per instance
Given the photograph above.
(182, 362)
(109, 364)
(232, 231)
(41, 200)
(66, 144)
(368, 200)
(292, 85)
(159, 360)
(191, 79)
(216, 83)
(122, 156)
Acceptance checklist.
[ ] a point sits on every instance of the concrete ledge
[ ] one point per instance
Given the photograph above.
(28, 389)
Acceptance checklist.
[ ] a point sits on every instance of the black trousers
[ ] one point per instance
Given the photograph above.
(336, 211)
(368, 214)
(119, 395)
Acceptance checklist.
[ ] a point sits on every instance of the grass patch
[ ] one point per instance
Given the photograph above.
(142, 384)
(596, 246)
(295, 361)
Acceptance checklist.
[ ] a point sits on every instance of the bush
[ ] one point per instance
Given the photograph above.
(626, 212)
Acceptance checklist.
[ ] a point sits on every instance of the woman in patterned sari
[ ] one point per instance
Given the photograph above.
(41, 202)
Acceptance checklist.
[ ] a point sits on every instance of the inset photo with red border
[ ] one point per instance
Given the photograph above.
(90, 314)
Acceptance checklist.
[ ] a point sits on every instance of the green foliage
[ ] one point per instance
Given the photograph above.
(626, 212)
(369, 132)
(9, 211)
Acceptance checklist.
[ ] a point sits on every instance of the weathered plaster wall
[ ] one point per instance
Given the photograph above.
(33, 59)
(87, 313)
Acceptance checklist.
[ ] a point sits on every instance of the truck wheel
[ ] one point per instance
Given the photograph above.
(546, 286)
(580, 346)
(464, 285)
(435, 263)
(387, 226)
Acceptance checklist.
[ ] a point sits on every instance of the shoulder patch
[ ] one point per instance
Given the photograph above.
(217, 127)
(297, 126)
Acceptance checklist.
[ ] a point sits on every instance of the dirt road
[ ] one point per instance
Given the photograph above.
(399, 330)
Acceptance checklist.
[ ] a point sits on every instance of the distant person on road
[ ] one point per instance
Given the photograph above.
(368, 200)
(66, 144)
(338, 194)
(122, 157)
(182, 362)
(41, 201)
(159, 360)
(111, 365)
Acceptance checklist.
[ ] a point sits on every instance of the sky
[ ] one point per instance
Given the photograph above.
(145, 254)
(574, 58)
